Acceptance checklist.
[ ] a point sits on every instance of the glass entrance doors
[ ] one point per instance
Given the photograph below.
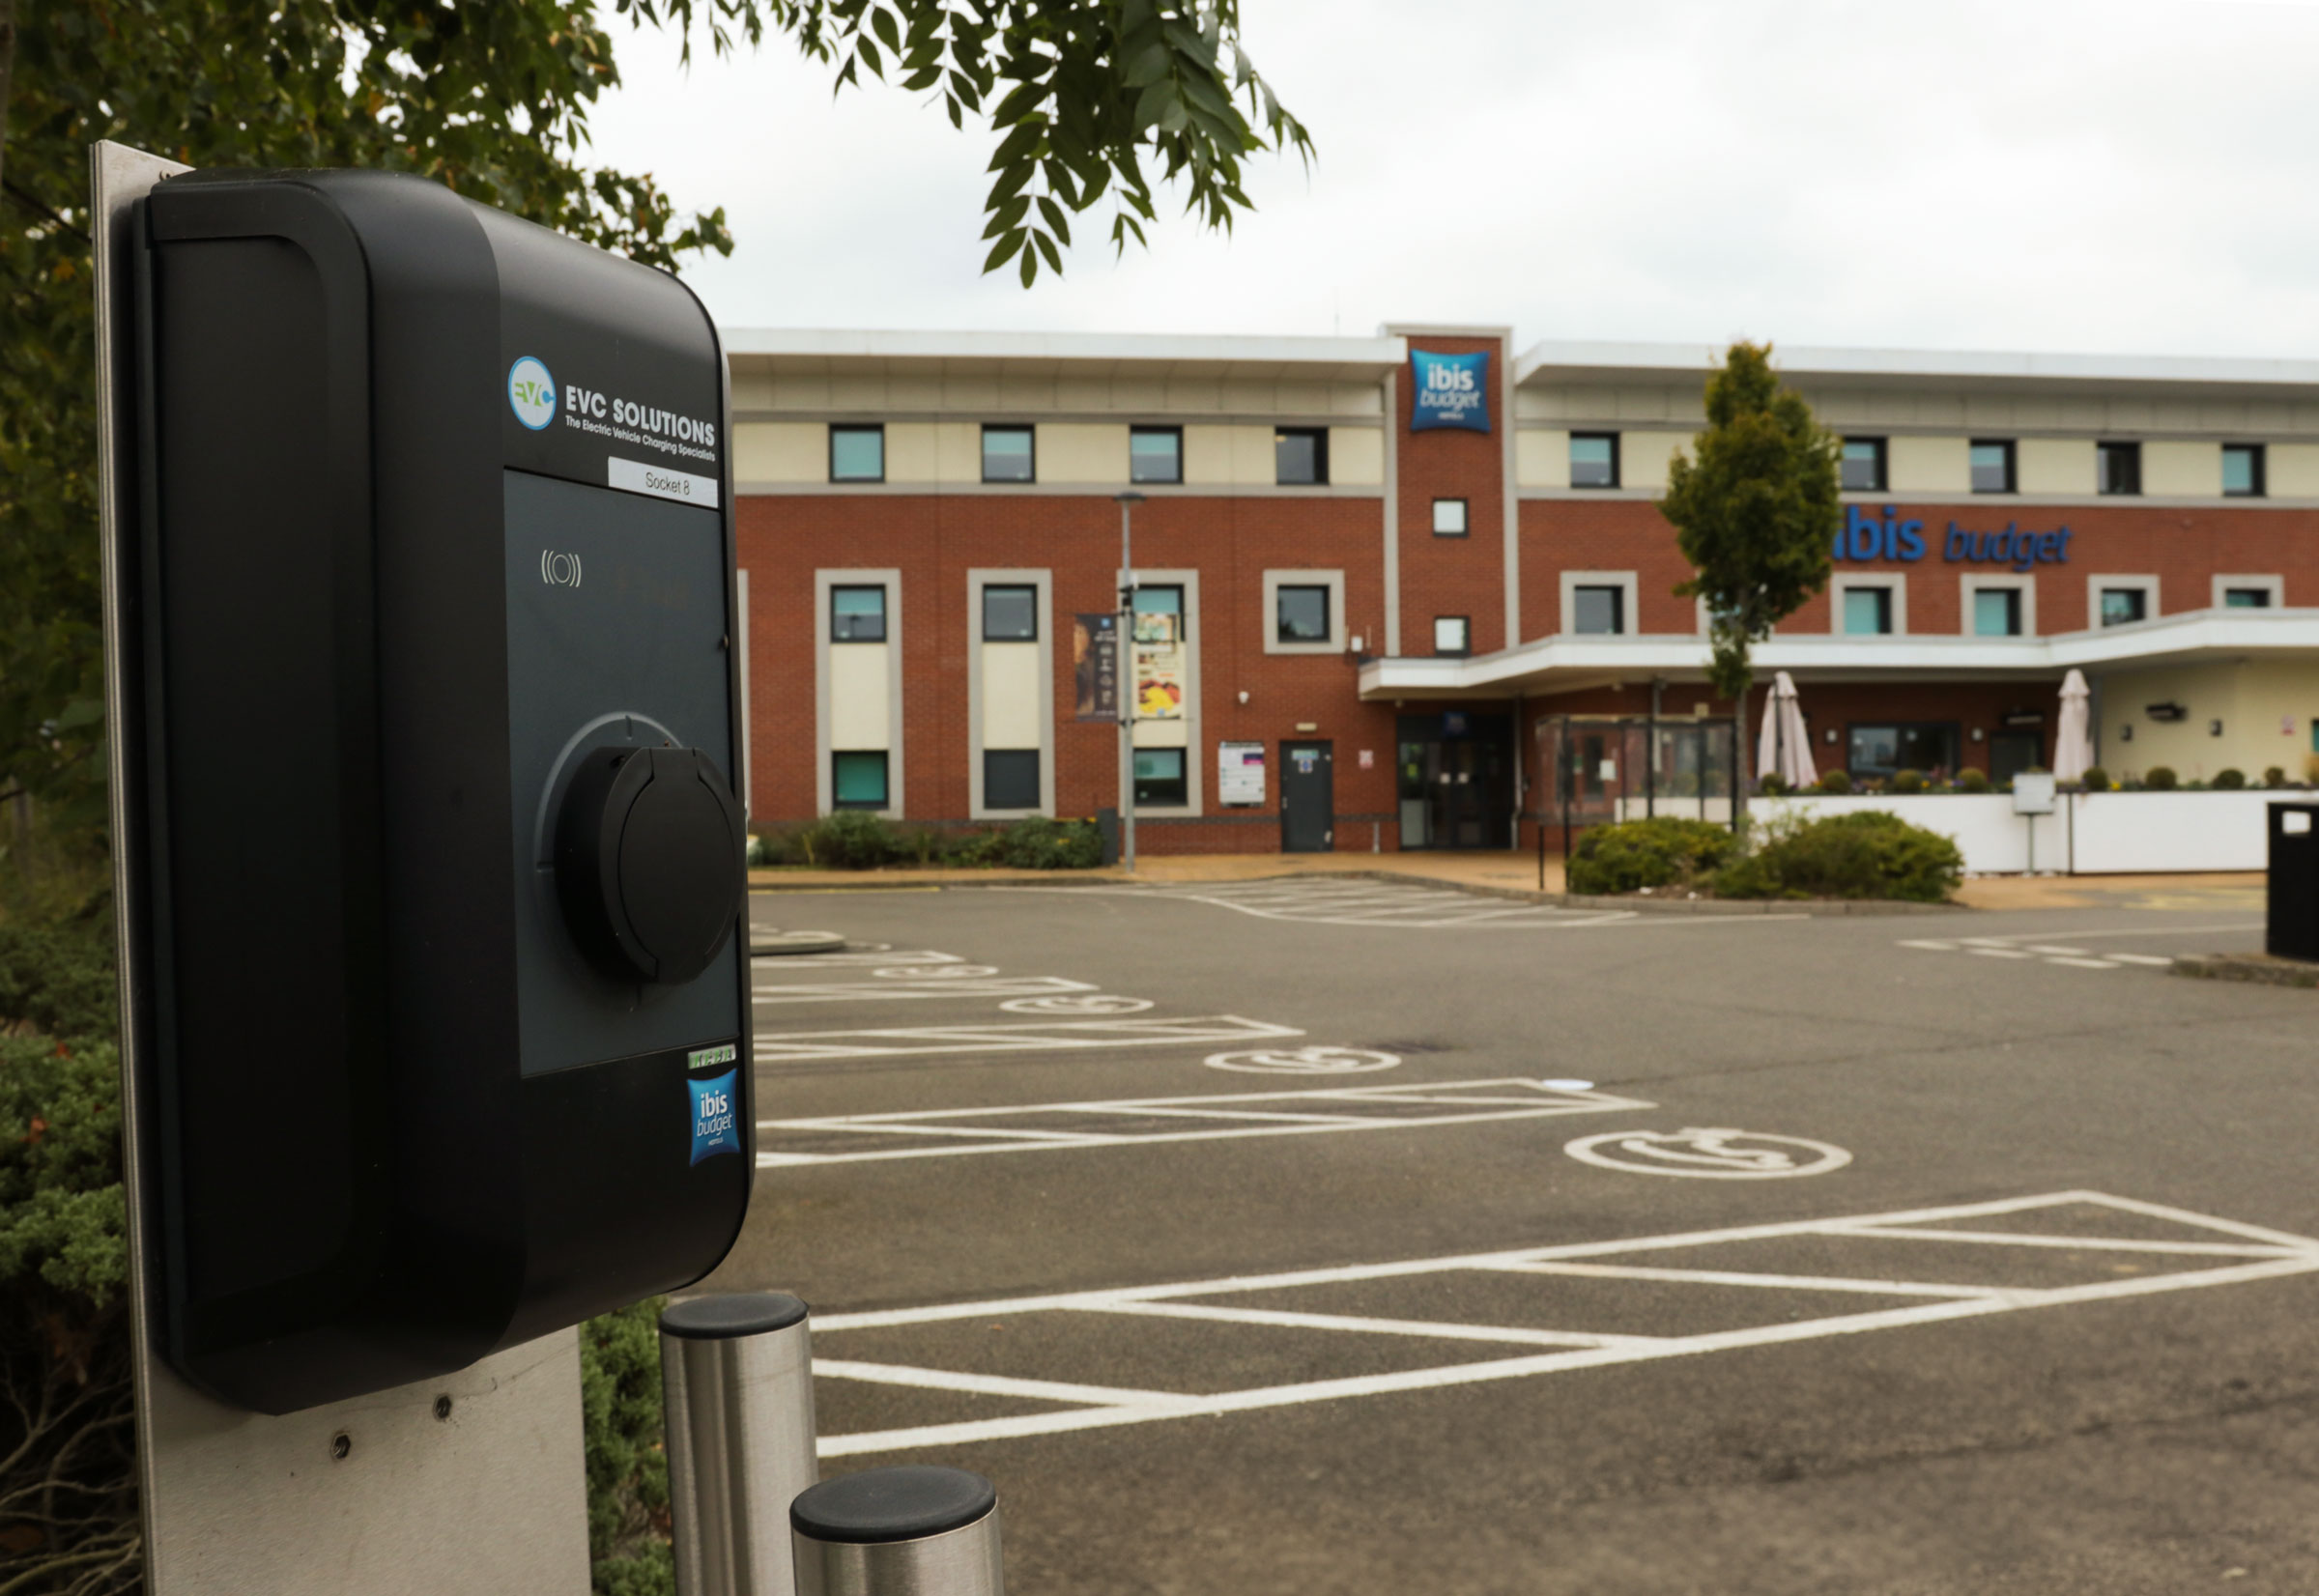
(1604, 770)
(1456, 780)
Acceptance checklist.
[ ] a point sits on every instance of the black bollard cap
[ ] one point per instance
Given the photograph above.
(880, 1505)
(739, 1313)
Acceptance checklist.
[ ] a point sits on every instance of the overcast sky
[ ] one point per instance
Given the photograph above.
(2127, 176)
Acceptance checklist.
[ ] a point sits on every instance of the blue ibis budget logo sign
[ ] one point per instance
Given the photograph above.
(714, 1128)
(1453, 390)
(1868, 536)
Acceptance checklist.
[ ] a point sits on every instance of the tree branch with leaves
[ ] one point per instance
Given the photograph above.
(1756, 510)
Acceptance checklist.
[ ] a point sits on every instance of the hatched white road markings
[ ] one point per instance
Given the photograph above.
(1039, 1128)
(1321, 901)
(780, 1048)
(2225, 1253)
(1314, 1061)
(2031, 945)
(987, 984)
(1708, 1154)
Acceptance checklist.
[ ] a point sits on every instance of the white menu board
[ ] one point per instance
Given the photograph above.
(1240, 773)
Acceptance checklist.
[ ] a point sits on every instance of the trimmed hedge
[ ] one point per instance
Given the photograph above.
(1635, 854)
(853, 839)
(1865, 854)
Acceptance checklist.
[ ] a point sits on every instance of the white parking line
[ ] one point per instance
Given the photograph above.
(1028, 1037)
(2274, 1255)
(890, 992)
(1228, 1115)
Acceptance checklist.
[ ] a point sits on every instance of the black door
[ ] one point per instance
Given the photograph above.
(2010, 752)
(1307, 799)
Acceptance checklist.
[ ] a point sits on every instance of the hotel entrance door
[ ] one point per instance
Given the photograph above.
(1456, 776)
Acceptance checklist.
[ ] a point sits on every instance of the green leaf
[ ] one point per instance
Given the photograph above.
(1001, 250)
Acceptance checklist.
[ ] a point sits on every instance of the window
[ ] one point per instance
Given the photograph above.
(1160, 614)
(1154, 454)
(857, 454)
(1159, 776)
(1301, 456)
(1997, 613)
(1008, 455)
(1866, 612)
(2118, 467)
(2242, 470)
(2246, 598)
(2123, 605)
(1449, 518)
(1302, 614)
(1594, 460)
(1011, 778)
(857, 615)
(1599, 611)
(1010, 614)
(1929, 746)
(1863, 465)
(1452, 635)
(858, 780)
(1993, 465)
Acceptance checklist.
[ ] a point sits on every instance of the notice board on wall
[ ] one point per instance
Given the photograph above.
(1240, 773)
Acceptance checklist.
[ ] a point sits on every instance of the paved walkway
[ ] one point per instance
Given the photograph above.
(1519, 870)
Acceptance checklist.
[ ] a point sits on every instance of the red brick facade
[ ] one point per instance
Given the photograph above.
(1231, 538)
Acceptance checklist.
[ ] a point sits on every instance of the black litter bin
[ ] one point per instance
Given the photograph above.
(2291, 929)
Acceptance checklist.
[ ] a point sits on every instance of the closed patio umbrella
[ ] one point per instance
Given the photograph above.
(1785, 747)
(2074, 737)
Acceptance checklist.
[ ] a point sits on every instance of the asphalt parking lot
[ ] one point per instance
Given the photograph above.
(1331, 1236)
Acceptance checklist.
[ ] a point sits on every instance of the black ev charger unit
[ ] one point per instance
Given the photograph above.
(439, 735)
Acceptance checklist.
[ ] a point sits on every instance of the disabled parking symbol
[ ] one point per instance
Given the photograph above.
(1304, 1060)
(1708, 1154)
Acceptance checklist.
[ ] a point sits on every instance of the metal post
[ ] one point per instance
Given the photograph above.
(1127, 680)
(1650, 754)
(737, 1387)
(910, 1532)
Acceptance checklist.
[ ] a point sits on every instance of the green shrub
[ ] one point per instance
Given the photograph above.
(2229, 780)
(1836, 780)
(2274, 776)
(69, 1487)
(2095, 779)
(1634, 854)
(1865, 854)
(56, 975)
(1972, 781)
(1038, 843)
(1905, 780)
(1772, 784)
(628, 1545)
(851, 839)
(2161, 779)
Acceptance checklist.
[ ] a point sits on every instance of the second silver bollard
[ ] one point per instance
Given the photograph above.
(737, 1381)
(912, 1531)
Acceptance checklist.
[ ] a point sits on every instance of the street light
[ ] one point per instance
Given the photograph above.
(1126, 670)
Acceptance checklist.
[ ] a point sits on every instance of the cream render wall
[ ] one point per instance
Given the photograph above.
(2266, 708)
(1644, 457)
(1357, 456)
(2294, 470)
(1010, 695)
(2173, 470)
(859, 697)
(780, 451)
(1930, 465)
(1542, 458)
(2055, 464)
(912, 452)
(1074, 452)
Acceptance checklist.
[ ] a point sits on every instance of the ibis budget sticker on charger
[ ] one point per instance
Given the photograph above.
(714, 1129)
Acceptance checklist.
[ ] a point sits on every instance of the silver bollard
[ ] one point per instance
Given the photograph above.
(912, 1531)
(737, 1378)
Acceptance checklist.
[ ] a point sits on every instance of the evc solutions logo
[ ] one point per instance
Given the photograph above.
(1451, 390)
(531, 393)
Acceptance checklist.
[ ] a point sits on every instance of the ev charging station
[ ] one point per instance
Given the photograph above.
(420, 622)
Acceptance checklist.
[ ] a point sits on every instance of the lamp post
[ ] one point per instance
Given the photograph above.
(1127, 678)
